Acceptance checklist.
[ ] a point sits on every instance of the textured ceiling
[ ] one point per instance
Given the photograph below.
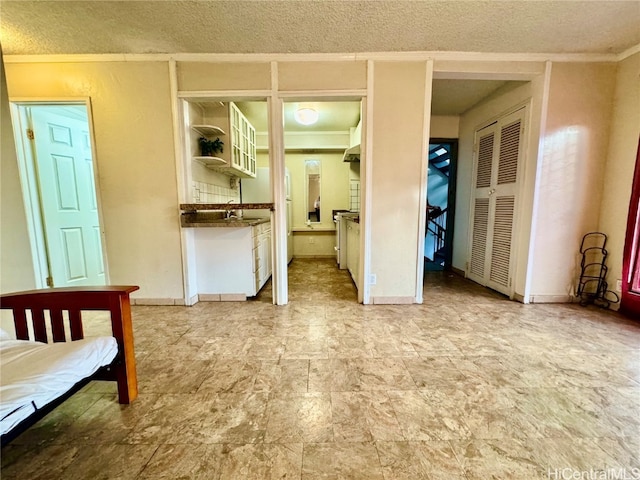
(266, 26)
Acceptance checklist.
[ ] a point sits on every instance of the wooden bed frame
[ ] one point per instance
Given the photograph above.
(114, 299)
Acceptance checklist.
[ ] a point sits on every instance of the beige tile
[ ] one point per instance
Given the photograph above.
(428, 415)
(283, 375)
(299, 417)
(433, 371)
(383, 374)
(363, 417)
(261, 461)
(184, 461)
(419, 460)
(498, 459)
(270, 347)
(338, 374)
(337, 460)
(306, 348)
(353, 346)
(229, 374)
(225, 461)
(170, 375)
(45, 462)
(468, 385)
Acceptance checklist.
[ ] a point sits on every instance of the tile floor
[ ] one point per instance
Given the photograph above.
(467, 386)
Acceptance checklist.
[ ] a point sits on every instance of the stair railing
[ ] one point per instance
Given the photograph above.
(437, 225)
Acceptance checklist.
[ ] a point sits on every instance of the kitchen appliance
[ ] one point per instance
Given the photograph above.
(340, 219)
(352, 154)
(258, 190)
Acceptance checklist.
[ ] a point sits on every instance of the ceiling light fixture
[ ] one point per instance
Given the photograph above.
(306, 116)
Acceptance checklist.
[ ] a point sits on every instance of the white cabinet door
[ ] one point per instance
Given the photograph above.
(353, 249)
(243, 139)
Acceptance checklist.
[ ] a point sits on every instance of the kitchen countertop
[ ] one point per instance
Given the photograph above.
(212, 219)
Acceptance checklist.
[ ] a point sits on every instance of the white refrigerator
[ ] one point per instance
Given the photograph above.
(258, 190)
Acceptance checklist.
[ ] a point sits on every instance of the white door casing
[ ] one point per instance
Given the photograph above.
(66, 181)
(498, 156)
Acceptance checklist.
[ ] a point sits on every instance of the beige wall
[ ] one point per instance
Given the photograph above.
(314, 243)
(137, 178)
(135, 159)
(444, 126)
(16, 263)
(619, 169)
(296, 76)
(200, 76)
(334, 186)
(570, 180)
(398, 132)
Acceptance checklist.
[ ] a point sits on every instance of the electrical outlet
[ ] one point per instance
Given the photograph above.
(619, 285)
(312, 240)
(372, 279)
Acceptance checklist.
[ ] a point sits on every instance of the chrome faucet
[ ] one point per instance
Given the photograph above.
(229, 212)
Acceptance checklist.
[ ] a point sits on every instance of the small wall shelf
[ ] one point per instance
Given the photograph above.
(210, 161)
(208, 130)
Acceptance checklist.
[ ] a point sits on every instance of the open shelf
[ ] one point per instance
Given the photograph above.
(208, 130)
(210, 161)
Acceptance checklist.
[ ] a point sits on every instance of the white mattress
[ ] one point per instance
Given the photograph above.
(32, 374)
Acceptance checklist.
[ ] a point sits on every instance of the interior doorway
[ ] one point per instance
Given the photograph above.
(441, 194)
(57, 171)
(322, 139)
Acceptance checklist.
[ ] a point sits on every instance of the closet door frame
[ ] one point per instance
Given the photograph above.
(496, 190)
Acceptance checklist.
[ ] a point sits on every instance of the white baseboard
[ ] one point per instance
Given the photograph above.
(518, 298)
(393, 300)
(157, 301)
(552, 299)
(222, 297)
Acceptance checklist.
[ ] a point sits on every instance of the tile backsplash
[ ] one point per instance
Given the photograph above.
(210, 193)
(354, 195)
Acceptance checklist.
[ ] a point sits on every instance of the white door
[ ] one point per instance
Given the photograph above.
(498, 154)
(66, 183)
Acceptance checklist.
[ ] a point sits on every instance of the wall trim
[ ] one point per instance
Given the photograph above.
(528, 281)
(245, 95)
(320, 57)
(552, 298)
(629, 52)
(366, 189)
(157, 301)
(518, 298)
(424, 173)
(459, 271)
(393, 300)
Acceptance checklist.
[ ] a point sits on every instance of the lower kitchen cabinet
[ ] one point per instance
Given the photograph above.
(233, 260)
(353, 250)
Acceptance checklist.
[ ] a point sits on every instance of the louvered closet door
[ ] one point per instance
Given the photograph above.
(496, 185)
(485, 158)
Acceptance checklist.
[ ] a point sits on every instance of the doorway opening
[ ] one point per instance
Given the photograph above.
(57, 171)
(322, 140)
(441, 191)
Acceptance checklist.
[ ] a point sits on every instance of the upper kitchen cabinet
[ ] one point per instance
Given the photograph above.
(238, 157)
